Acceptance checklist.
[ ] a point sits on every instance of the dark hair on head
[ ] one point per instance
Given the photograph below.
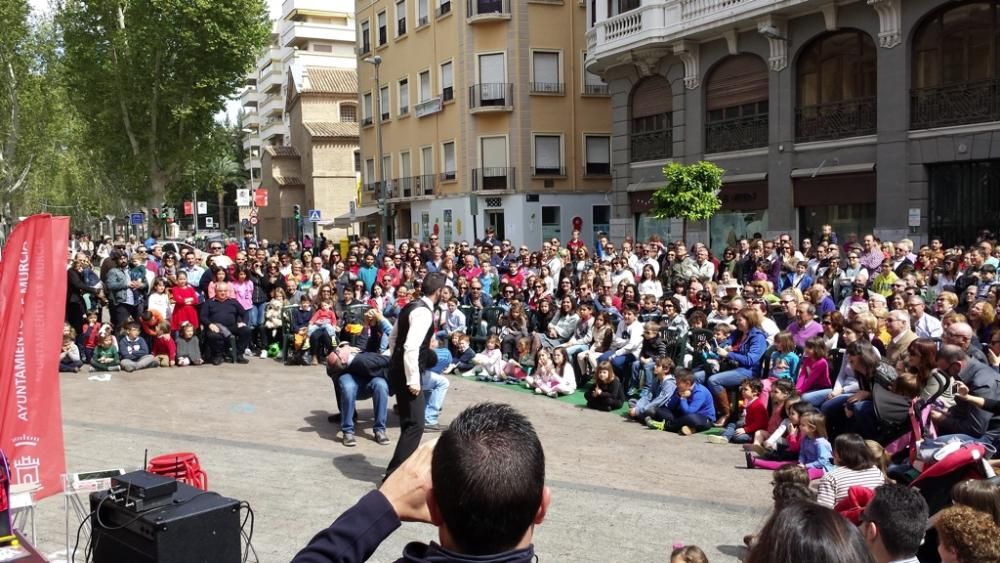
(803, 408)
(829, 537)
(818, 345)
(900, 513)
(698, 316)
(784, 385)
(684, 375)
(131, 325)
(791, 473)
(979, 494)
(753, 384)
(864, 349)
(970, 534)
(784, 493)
(688, 554)
(488, 472)
(433, 282)
(853, 453)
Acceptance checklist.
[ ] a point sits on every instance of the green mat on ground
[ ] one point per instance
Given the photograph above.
(576, 398)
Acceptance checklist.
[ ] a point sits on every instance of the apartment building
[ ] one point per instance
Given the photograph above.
(873, 115)
(295, 103)
(486, 119)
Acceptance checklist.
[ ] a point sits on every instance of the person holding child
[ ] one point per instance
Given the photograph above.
(740, 355)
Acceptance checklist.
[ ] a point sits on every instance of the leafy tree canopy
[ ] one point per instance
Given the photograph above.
(691, 192)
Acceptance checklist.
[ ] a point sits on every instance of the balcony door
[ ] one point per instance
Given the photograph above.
(492, 79)
(493, 156)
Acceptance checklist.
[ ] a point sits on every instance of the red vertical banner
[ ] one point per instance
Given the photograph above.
(32, 307)
(188, 208)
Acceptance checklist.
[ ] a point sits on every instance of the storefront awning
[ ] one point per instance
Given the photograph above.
(360, 214)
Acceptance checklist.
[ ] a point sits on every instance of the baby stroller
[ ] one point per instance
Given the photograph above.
(903, 437)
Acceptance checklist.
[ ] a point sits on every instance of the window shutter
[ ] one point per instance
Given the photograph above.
(652, 96)
(599, 150)
(546, 67)
(739, 80)
(547, 152)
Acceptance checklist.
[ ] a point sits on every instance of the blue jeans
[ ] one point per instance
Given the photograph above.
(354, 389)
(719, 382)
(637, 369)
(435, 387)
(730, 434)
(252, 319)
(816, 398)
(865, 421)
(261, 308)
(836, 419)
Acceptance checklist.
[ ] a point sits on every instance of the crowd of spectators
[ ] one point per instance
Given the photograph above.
(810, 354)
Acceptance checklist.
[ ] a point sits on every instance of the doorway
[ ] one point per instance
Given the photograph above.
(494, 218)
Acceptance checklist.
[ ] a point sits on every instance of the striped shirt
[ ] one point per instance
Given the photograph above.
(834, 485)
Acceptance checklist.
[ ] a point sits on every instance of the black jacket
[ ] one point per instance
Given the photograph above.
(359, 531)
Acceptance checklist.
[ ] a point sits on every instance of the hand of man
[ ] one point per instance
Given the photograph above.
(213, 327)
(241, 325)
(406, 489)
(414, 389)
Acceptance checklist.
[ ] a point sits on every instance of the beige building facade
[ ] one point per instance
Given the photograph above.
(487, 120)
(317, 170)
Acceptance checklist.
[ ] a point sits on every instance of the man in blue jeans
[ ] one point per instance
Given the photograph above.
(435, 386)
(360, 376)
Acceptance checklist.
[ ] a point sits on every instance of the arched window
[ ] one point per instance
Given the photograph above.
(836, 87)
(651, 134)
(736, 105)
(955, 62)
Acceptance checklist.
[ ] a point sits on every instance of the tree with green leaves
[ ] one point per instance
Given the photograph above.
(148, 76)
(691, 192)
(14, 37)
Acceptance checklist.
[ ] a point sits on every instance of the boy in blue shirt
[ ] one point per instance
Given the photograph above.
(658, 391)
(690, 410)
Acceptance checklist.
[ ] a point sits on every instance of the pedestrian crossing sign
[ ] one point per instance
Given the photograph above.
(314, 216)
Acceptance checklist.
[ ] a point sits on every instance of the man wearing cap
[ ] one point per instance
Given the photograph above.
(412, 333)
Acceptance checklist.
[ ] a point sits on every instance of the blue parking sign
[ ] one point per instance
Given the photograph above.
(137, 218)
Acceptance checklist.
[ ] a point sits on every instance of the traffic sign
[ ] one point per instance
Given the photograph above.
(253, 220)
(314, 216)
(209, 222)
(260, 197)
(136, 218)
(202, 207)
(253, 211)
(243, 197)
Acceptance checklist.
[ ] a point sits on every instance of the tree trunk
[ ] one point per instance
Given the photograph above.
(222, 213)
(157, 188)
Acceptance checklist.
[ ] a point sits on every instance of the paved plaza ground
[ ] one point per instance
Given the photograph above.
(620, 492)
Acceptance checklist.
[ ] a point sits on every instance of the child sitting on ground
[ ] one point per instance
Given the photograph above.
(544, 375)
(69, 356)
(691, 408)
(489, 363)
(781, 394)
(516, 370)
(90, 336)
(653, 347)
(164, 347)
(565, 379)
(657, 392)
(754, 417)
(134, 350)
(606, 393)
(783, 444)
(815, 451)
(105, 356)
(187, 348)
(463, 354)
(688, 554)
(784, 360)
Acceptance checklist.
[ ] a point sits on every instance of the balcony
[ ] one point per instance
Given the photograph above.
(487, 10)
(447, 176)
(667, 21)
(272, 106)
(835, 120)
(297, 34)
(552, 88)
(414, 186)
(251, 120)
(492, 179)
(955, 104)
(491, 97)
(427, 107)
(736, 134)
(596, 90)
(291, 8)
(249, 98)
(271, 78)
(273, 128)
(652, 145)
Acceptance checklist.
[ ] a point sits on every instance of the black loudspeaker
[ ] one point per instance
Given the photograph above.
(195, 527)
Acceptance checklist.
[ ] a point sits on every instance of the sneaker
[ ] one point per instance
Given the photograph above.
(552, 394)
(718, 440)
(263, 354)
(655, 424)
(470, 373)
(686, 431)
(242, 360)
(749, 457)
(539, 392)
(449, 369)
(381, 438)
(349, 440)
(759, 450)
(247, 353)
(528, 380)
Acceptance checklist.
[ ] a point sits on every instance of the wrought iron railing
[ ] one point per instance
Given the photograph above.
(414, 186)
(547, 87)
(595, 89)
(955, 104)
(836, 120)
(736, 134)
(493, 178)
(475, 8)
(498, 94)
(447, 175)
(652, 145)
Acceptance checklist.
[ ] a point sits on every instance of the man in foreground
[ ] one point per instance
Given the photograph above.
(482, 483)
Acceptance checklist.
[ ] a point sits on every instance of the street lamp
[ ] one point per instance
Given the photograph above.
(376, 61)
(253, 186)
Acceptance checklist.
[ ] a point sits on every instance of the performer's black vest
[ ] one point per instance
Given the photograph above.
(397, 373)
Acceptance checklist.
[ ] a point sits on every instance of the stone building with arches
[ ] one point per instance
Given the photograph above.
(870, 115)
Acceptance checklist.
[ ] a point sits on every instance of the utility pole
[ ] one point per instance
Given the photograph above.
(376, 61)
(194, 211)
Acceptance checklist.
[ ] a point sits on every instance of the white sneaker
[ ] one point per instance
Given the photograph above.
(528, 380)
(263, 354)
(248, 353)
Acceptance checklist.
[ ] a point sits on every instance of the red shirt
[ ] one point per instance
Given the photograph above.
(756, 416)
(165, 346)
